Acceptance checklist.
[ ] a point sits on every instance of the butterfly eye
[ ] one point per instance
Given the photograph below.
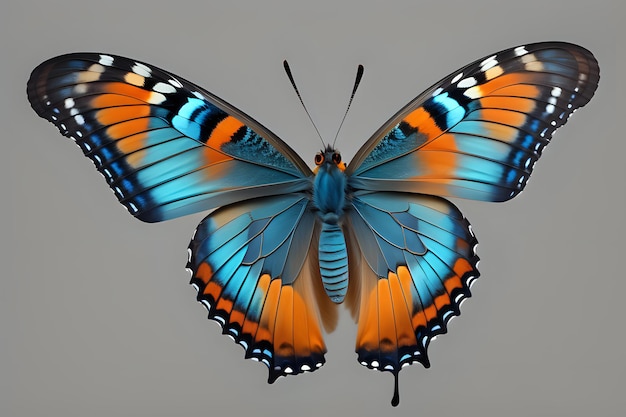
(337, 158)
(319, 159)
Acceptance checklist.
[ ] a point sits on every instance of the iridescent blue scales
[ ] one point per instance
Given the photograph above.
(286, 245)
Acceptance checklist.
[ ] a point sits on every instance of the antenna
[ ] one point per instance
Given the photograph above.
(357, 81)
(293, 83)
(359, 75)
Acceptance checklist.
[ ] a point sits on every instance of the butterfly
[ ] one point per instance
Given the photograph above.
(285, 245)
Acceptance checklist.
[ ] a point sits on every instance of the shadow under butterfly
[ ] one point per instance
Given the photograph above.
(287, 244)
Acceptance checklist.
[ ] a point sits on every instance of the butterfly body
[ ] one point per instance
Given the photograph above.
(329, 200)
(273, 260)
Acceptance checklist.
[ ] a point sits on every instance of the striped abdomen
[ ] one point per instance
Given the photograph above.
(333, 259)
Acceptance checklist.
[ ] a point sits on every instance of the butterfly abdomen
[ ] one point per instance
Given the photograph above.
(333, 258)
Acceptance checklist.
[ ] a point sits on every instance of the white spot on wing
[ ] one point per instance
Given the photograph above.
(471, 280)
(175, 83)
(69, 103)
(141, 69)
(106, 60)
(164, 88)
(473, 92)
(79, 119)
(486, 60)
(520, 50)
(437, 92)
(457, 77)
(467, 82)
(488, 63)
(156, 98)
(206, 304)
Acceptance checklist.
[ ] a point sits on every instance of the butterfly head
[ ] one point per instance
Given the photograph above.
(329, 157)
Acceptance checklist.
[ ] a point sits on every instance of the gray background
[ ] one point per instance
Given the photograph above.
(97, 318)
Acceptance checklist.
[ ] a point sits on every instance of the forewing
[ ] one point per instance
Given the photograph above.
(478, 132)
(165, 146)
(254, 266)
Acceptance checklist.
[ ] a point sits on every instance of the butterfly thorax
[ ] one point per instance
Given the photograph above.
(329, 188)
(329, 198)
